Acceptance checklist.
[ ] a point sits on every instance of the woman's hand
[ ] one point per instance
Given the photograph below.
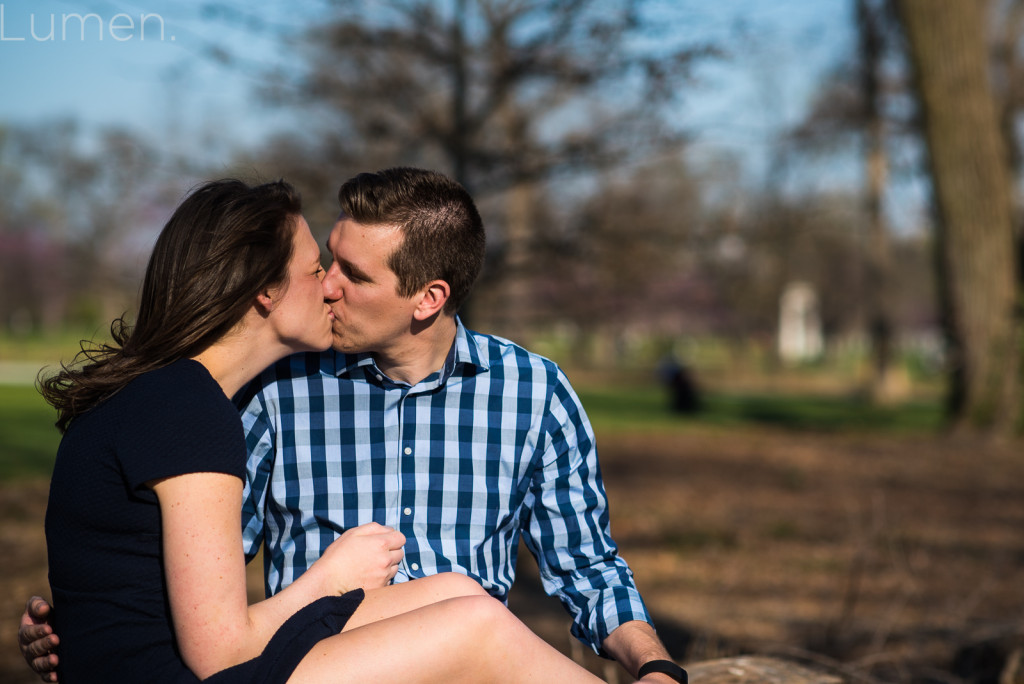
(364, 557)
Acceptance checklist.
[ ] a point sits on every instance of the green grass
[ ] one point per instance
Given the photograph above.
(646, 408)
(28, 439)
(53, 347)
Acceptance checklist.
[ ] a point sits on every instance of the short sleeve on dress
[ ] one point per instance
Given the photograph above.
(178, 421)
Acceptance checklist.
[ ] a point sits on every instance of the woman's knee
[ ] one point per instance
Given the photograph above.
(487, 618)
(454, 585)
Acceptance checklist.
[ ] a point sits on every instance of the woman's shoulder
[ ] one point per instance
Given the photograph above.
(179, 415)
(179, 395)
(181, 376)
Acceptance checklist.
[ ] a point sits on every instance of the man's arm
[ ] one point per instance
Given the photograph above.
(568, 529)
(633, 644)
(259, 444)
(37, 640)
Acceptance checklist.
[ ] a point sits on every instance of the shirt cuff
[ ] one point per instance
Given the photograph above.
(615, 606)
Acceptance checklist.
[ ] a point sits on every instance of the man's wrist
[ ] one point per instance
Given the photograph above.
(658, 678)
(665, 667)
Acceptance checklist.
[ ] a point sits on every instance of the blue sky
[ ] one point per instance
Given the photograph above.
(147, 65)
(142, 65)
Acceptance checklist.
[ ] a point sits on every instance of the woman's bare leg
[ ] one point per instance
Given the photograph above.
(401, 598)
(467, 639)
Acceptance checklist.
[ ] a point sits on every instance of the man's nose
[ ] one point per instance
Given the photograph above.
(331, 285)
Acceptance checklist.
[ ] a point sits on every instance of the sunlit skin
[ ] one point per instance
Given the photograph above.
(285, 319)
(407, 335)
(301, 316)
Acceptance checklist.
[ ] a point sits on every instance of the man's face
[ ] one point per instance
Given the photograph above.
(369, 314)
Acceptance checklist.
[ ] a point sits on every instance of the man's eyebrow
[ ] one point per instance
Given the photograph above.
(354, 270)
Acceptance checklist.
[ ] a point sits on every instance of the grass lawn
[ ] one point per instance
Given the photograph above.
(28, 439)
(626, 409)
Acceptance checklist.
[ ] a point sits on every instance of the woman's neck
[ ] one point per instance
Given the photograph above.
(237, 358)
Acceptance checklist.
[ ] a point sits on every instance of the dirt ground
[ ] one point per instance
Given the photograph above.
(897, 559)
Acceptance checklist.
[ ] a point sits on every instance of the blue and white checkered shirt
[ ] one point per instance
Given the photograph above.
(493, 446)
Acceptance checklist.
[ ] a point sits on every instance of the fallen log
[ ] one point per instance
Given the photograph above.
(757, 670)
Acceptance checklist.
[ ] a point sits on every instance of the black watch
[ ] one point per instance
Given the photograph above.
(663, 667)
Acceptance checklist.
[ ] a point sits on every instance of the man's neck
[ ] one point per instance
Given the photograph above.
(421, 353)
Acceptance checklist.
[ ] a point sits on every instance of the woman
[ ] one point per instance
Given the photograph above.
(146, 564)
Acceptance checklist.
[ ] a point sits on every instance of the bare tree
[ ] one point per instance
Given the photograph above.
(1007, 21)
(85, 208)
(626, 258)
(496, 91)
(857, 108)
(504, 95)
(878, 280)
(970, 178)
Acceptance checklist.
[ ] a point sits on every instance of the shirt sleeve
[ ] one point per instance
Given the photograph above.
(259, 443)
(568, 530)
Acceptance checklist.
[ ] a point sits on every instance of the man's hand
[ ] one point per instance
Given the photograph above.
(37, 640)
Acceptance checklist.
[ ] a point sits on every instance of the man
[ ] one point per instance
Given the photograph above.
(464, 442)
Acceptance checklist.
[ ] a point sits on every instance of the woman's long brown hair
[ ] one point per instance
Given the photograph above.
(224, 244)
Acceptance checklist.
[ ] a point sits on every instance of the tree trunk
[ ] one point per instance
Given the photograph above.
(1007, 70)
(757, 670)
(515, 301)
(457, 144)
(878, 281)
(973, 210)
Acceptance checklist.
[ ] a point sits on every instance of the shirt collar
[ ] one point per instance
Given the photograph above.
(467, 350)
(465, 354)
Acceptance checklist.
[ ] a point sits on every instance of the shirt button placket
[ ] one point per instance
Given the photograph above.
(407, 510)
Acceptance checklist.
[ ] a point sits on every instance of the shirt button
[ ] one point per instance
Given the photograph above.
(415, 566)
(408, 450)
(380, 377)
(407, 511)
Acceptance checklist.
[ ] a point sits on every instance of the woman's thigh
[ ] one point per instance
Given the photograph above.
(465, 639)
(396, 599)
(441, 642)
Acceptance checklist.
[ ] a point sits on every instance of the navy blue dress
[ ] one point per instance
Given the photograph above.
(111, 609)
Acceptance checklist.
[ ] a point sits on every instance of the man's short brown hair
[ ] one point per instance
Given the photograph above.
(443, 235)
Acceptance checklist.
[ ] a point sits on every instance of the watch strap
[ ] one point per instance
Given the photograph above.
(663, 667)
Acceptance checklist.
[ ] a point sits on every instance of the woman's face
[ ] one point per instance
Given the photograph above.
(301, 315)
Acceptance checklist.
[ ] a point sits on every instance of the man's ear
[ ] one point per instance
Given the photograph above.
(433, 297)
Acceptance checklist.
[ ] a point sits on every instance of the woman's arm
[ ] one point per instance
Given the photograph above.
(205, 567)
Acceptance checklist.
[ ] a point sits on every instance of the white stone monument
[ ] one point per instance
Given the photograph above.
(800, 336)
